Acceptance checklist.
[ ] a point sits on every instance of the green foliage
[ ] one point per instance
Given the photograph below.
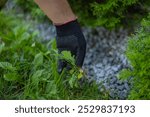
(28, 68)
(5, 23)
(111, 13)
(138, 54)
(30, 7)
(107, 13)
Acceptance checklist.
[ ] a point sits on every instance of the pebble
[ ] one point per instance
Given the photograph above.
(106, 52)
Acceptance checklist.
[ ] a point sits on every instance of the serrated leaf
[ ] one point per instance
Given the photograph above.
(68, 57)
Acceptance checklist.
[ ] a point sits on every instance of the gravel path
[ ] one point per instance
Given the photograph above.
(104, 58)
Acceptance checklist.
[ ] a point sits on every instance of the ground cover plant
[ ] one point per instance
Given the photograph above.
(138, 54)
(28, 68)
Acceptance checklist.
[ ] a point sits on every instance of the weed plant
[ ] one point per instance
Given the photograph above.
(28, 68)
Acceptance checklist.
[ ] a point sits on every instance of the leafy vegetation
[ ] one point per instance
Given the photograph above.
(107, 13)
(111, 13)
(28, 68)
(29, 6)
(127, 13)
(138, 53)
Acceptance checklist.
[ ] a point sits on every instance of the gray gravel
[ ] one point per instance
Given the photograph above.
(104, 58)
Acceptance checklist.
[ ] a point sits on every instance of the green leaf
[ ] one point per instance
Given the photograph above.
(80, 75)
(52, 44)
(38, 60)
(66, 54)
(68, 57)
(37, 74)
(7, 66)
(72, 81)
(51, 88)
(11, 76)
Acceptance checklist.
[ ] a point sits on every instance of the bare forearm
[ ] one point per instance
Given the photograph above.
(58, 11)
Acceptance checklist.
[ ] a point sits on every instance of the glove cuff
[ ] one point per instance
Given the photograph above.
(69, 28)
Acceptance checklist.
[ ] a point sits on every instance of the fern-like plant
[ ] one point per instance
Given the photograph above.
(138, 54)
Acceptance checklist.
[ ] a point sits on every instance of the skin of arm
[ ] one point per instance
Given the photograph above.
(58, 11)
(69, 34)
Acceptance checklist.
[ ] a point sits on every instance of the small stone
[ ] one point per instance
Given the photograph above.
(112, 94)
(127, 87)
(122, 94)
(121, 87)
(113, 80)
(112, 87)
(119, 82)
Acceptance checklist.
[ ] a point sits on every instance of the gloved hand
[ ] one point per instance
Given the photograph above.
(70, 38)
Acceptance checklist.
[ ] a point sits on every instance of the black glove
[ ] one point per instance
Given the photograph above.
(70, 38)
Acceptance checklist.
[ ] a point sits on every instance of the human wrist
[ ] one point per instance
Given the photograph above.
(68, 28)
(65, 20)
